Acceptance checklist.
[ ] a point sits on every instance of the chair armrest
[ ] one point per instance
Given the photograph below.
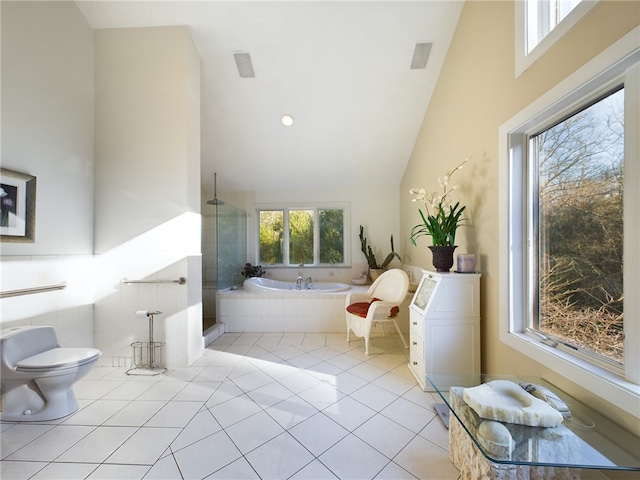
(355, 297)
(380, 310)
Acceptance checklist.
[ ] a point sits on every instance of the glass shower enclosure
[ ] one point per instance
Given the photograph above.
(231, 244)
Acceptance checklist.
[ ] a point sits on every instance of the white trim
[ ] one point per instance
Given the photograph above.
(600, 381)
(631, 252)
(621, 57)
(523, 59)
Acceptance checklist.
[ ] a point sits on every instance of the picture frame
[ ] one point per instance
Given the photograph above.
(17, 206)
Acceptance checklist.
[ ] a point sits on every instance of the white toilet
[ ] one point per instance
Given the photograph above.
(37, 374)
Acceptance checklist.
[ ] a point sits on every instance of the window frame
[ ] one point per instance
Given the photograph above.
(621, 60)
(316, 207)
(524, 59)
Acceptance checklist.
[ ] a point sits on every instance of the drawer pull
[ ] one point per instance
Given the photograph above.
(415, 323)
(415, 363)
(415, 343)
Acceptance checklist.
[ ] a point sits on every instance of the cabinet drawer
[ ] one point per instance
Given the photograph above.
(417, 347)
(416, 324)
(414, 334)
(416, 364)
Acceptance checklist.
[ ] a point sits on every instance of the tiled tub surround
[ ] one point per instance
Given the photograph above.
(273, 405)
(284, 311)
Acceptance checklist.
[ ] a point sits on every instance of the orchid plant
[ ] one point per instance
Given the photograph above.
(440, 219)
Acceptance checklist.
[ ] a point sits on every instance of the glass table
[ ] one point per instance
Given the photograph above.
(585, 440)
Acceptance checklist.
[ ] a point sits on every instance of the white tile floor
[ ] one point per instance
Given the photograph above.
(255, 406)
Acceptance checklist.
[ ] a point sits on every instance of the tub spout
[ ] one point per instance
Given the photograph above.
(299, 283)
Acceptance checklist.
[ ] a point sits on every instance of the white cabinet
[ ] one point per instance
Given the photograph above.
(444, 321)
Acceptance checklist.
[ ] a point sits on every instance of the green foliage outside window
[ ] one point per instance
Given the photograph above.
(300, 237)
(331, 236)
(301, 248)
(271, 236)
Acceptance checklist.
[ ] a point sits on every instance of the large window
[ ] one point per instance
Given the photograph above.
(576, 190)
(570, 227)
(302, 236)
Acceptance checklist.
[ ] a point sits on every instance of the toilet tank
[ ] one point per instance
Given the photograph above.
(18, 343)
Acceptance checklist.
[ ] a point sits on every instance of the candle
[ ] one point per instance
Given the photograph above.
(466, 262)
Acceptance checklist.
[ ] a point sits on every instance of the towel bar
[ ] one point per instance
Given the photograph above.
(32, 290)
(179, 281)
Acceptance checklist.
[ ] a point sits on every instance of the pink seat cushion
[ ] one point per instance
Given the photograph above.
(361, 308)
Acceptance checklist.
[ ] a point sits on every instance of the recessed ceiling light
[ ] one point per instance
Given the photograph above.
(287, 120)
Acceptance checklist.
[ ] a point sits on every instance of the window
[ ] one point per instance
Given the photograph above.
(575, 177)
(302, 236)
(543, 16)
(570, 227)
(540, 23)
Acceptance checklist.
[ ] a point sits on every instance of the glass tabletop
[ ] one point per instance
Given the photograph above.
(584, 439)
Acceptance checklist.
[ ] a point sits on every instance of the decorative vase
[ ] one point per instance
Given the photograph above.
(375, 273)
(442, 257)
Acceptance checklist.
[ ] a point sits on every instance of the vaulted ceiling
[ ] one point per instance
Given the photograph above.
(340, 69)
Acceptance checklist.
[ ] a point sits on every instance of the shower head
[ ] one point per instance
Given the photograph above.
(215, 200)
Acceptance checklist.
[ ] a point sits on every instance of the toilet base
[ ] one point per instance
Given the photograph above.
(26, 404)
(41, 416)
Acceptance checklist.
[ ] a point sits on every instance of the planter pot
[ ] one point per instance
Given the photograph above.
(442, 257)
(375, 273)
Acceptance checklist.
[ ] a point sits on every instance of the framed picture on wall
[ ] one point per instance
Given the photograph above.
(17, 206)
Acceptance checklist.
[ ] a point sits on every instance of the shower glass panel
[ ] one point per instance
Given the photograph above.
(231, 243)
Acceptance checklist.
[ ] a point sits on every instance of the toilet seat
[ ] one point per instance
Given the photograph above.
(57, 359)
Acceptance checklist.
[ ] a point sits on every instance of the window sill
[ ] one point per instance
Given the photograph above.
(610, 387)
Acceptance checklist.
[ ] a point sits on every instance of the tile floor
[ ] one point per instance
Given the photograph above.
(255, 406)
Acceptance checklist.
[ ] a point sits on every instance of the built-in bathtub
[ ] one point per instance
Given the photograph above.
(290, 310)
(266, 305)
(267, 285)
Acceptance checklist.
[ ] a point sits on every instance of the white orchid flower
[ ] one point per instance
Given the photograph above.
(419, 193)
(443, 181)
(442, 218)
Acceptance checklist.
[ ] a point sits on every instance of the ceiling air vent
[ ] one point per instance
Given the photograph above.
(420, 56)
(243, 62)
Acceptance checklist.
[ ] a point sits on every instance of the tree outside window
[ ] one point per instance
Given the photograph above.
(303, 236)
(578, 205)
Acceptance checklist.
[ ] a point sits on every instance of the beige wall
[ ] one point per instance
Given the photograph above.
(475, 94)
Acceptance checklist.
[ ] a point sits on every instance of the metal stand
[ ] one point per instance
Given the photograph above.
(146, 354)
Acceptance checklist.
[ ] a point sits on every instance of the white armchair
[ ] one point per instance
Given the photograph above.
(381, 304)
